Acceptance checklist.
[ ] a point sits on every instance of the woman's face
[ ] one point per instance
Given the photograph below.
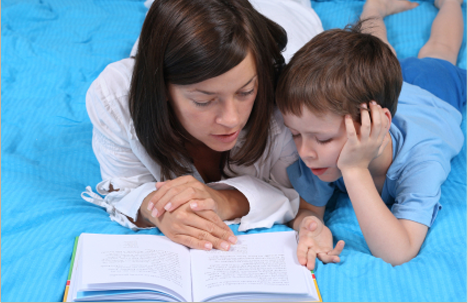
(214, 111)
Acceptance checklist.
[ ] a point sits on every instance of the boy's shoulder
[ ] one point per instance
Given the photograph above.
(424, 128)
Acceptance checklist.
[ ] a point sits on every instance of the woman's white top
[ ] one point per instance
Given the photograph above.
(127, 167)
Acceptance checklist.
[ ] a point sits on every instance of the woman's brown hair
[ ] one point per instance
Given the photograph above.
(188, 41)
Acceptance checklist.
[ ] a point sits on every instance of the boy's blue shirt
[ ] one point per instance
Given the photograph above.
(426, 135)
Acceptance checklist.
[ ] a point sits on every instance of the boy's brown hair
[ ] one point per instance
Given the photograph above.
(337, 71)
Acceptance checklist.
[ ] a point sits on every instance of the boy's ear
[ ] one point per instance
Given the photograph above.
(388, 115)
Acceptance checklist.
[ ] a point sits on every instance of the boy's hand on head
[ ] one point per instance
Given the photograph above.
(364, 146)
(316, 241)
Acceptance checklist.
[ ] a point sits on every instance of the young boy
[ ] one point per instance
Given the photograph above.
(339, 97)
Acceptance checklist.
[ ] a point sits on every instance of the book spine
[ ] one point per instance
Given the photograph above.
(72, 261)
(316, 285)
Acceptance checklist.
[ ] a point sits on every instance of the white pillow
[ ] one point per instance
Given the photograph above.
(296, 16)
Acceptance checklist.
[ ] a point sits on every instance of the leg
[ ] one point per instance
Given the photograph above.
(378, 10)
(446, 32)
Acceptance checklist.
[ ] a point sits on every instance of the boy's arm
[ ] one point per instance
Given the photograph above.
(315, 239)
(396, 241)
(305, 210)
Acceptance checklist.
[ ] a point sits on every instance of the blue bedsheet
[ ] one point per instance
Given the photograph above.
(53, 49)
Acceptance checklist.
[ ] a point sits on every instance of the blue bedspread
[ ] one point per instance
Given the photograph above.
(53, 49)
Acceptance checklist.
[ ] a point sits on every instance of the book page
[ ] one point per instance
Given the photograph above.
(116, 262)
(258, 263)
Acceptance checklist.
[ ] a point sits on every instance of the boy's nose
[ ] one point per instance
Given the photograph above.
(306, 152)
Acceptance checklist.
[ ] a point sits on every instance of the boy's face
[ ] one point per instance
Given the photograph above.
(319, 140)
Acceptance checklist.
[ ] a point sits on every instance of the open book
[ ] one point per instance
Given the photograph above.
(260, 267)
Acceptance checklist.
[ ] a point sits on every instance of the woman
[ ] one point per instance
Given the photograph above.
(186, 132)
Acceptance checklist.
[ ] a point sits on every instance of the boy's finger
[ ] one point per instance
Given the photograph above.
(350, 130)
(301, 252)
(327, 258)
(338, 248)
(312, 226)
(365, 122)
(376, 112)
(384, 144)
(311, 256)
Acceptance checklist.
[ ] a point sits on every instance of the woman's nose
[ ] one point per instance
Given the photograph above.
(229, 115)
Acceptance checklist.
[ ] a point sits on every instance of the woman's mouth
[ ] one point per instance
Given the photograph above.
(227, 138)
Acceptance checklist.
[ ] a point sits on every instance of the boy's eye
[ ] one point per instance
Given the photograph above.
(324, 141)
(295, 135)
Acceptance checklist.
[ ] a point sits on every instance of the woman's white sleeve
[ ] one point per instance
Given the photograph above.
(120, 167)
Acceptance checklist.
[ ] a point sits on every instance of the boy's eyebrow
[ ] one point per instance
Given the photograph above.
(212, 93)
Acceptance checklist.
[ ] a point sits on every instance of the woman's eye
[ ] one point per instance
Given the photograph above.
(245, 94)
(202, 104)
(324, 141)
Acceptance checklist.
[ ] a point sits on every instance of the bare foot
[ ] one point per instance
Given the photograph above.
(389, 7)
(439, 3)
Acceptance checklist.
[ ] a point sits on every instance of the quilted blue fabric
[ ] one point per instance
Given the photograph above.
(53, 49)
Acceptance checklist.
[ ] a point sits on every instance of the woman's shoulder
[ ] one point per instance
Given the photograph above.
(115, 79)
(107, 97)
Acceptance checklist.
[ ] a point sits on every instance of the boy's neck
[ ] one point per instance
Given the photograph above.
(380, 165)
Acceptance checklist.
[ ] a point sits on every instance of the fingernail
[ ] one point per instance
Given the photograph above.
(154, 213)
(364, 105)
(150, 206)
(168, 206)
(373, 102)
(193, 205)
(208, 246)
(233, 239)
(224, 246)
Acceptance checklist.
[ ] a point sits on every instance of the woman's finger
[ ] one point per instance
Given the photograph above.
(192, 242)
(164, 187)
(222, 231)
(203, 204)
(179, 196)
(200, 228)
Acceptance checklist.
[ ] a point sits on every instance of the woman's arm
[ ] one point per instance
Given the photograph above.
(128, 181)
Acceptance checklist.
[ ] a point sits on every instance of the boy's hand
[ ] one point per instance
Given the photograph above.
(360, 150)
(316, 241)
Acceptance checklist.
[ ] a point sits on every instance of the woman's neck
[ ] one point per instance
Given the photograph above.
(205, 160)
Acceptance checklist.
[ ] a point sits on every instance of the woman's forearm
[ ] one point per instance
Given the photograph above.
(234, 205)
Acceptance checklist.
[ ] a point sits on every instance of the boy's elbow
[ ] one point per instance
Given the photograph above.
(399, 258)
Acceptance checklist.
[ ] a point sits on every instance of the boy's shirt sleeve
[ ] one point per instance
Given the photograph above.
(310, 187)
(417, 192)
